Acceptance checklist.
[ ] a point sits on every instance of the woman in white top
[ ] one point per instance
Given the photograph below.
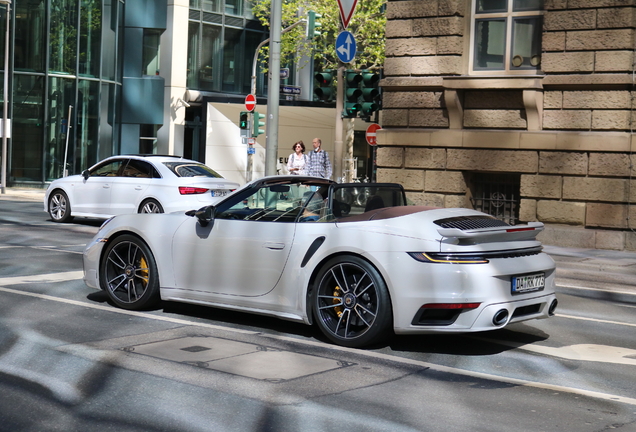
(297, 162)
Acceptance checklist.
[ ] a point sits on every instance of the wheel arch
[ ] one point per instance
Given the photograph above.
(145, 199)
(314, 274)
(114, 237)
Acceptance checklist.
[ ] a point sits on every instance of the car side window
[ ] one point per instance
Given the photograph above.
(109, 169)
(272, 203)
(138, 169)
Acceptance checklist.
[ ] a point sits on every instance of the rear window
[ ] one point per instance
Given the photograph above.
(189, 169)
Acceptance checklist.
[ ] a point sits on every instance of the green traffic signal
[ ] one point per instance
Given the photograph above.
(313, 24)
(352, 93)
(370, 93)
(244, 120)
(256, 131)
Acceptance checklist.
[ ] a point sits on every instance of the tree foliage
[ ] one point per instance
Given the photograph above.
(367, 25)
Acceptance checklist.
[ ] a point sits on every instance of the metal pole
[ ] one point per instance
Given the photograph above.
(68, 133)
(273, 92)
(6, 127)
(338, 153)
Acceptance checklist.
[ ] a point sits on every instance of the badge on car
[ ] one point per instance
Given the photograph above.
(528, 283)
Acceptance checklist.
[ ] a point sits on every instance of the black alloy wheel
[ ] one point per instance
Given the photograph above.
(351, 302)
(129, 273)
(59, 207)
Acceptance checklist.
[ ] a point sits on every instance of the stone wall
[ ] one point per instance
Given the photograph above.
(567, 132)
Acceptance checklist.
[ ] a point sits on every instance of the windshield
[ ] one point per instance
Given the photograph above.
(189, 169)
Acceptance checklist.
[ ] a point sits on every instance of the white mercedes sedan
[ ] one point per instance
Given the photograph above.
(135, 184)
(353, 259)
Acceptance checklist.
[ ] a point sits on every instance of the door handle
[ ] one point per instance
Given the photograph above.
(138, 187)
(106, 186)
(275, 246)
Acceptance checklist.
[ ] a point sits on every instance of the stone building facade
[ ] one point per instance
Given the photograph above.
(541, 129)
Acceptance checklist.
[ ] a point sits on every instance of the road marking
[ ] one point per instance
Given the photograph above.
(66, 276)
(42, 278)
(596, 289)
(596, 320)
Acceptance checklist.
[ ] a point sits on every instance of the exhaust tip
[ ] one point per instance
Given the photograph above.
(553, 307)
(500, 318)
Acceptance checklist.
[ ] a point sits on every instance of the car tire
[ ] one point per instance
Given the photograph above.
(150, 206)
(59, 207)
(129, 273)
(351, 303)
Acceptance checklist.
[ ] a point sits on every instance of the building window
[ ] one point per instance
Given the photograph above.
(496, 194)
(150, 60)
(506, 36)
(148, 139)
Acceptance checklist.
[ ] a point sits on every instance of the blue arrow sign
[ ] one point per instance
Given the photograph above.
(345, 47)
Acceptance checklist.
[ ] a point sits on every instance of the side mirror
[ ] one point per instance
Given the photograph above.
(205, 215)
(86, 174)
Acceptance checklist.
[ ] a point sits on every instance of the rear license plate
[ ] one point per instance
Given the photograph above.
(219, 193)
(528, 283)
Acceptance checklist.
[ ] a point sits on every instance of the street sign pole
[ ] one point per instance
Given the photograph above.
(273, 91)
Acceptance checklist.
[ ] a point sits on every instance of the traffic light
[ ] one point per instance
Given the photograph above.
(244, 120)
(370, 93)
(352, 93)
(256, 130)
(313, 24)
(325, 90)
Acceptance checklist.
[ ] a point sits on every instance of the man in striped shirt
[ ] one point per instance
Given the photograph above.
(319, 164)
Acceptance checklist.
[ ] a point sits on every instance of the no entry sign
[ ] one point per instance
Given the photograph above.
(371, 133)
(250, 102)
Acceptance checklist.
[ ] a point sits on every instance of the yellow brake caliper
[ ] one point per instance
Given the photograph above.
(143, 270)
(337, 293)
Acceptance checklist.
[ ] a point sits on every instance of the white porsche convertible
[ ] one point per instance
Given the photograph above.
(353, 259)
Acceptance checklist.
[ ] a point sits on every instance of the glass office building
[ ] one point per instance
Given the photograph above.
(85, 78)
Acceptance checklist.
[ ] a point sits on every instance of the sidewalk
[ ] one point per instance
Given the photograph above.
(23, 193)
(608, 270)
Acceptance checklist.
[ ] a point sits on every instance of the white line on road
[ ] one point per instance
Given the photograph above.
(59, 277)
(596, 289)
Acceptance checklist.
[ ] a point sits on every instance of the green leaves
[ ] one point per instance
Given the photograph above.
(367, 25)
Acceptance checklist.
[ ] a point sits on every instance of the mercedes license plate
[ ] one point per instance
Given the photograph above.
(528, 283)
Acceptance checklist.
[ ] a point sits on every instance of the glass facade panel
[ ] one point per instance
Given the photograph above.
(87, 132)
(490, 44)
(150, 55)
(107, 135)
(526, 43)
(234, 7)
(61, 96)
(252, 39)
(194, 45)
(27, 162)
(63, 36)
(232, 60)
(109, 39)
(30, 35)
(90, 37)
(209, 64)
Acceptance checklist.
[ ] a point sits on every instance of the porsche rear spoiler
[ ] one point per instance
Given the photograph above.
(500, 233)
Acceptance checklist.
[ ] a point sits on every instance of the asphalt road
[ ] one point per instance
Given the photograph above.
(70, 361)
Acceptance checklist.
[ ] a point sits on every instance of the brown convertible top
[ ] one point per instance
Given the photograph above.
(386, 213)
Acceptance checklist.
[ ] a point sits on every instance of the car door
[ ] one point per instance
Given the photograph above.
(243, 252)
(129, 187)
(92, 195)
